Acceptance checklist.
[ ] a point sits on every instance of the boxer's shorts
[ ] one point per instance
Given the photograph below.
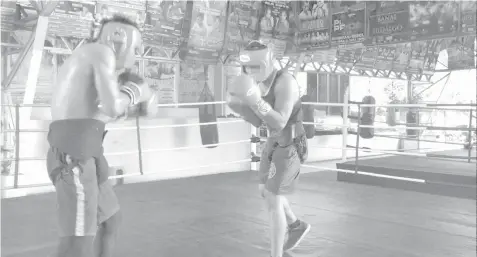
(83, 204)
(281, 174)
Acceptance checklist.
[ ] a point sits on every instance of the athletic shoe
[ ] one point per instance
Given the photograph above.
(295, 235)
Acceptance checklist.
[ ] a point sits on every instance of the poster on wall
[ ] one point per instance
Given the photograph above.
(163, 24)
(367, 59)
(7, 15)
(461, 52)
(206, 38)
(277, 25)
(388, 22)
(433, 19)
(401, 57)
(384, 57)
(468, 11)
(192, 79)
(132, 9)
(327, 56)
(241, 24)
(417, 56)
(161, 77)
(346, 57)
(313, 25)
(72, 19)
(347, 22)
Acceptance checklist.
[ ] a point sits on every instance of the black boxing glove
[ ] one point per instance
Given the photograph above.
(135, 87)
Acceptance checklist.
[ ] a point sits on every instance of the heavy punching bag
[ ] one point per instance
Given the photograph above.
(308, 116)
(411, 121)
(367, 117)
(208, 133)
(391, 116)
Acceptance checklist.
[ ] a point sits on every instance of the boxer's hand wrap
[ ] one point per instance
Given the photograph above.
(133, 91)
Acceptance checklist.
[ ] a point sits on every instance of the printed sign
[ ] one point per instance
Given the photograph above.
(163, 24)
(241, 24)
(7, 15)
(367, 59)
(277, 25)
(461, 52)
(192, 81)
(132, 9)
(347, 22)
(72, 19)
(433, 19)
(468, 11)
(385, 57)
(417, 57)
(401, 57)
(206, 37)
(325, 56)
(388, 22)
(347, 57)
(313, 25)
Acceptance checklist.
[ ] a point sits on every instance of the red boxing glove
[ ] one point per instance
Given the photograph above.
(248, 92)
(135, 87)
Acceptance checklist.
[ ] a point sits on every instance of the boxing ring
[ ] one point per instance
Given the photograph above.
(220, 213)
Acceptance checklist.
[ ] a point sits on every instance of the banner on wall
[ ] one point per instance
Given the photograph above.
(388, 22)
(192, 79)
(241, 24)
(72, 19)
(132, 9)
(401, 57)
(347, 22)
(385, 57)
(433, 19)
(206, 38)
(468, 17)
(7, 15)
(367, 59)
(160, 76)
(347, 57)
(163, 24)
(277, 25)
(460, 52)
(327, 56)
(313, 25)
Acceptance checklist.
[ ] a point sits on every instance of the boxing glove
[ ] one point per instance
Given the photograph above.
(245, 90)
(135, 87)
(248, 115)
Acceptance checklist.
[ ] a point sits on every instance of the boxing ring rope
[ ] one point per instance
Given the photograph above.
(465, 107)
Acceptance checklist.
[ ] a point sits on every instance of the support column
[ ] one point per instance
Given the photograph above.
(37, 55)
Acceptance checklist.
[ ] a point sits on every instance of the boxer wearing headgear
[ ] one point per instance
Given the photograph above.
(88, 93)
(265, 94)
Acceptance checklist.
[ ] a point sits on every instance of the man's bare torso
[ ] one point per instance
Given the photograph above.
(75, 95)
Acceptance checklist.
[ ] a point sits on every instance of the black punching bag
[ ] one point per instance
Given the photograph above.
(308, 116)
(367, 117)
(411, 121)
(208, 133)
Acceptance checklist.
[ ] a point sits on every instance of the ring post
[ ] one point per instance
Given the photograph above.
(138, 136)
(469, 138)
(357, 141)
(17, 147)
(344, 129)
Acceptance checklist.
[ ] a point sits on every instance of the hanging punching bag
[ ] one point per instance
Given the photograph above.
(308, 116)
(411, 121)
(367, 117)
(391, 116)
(208, 133)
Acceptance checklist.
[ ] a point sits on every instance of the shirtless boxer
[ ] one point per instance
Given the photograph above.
(275, 100)
(88, 94)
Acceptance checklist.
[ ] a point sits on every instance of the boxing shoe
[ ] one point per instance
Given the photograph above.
(296, 235)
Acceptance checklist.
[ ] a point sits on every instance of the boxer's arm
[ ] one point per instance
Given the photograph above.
(249, 116)
(113, 102)
(286, 94)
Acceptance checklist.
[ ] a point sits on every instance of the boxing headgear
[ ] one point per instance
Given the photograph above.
(257, 60)
(123, 39)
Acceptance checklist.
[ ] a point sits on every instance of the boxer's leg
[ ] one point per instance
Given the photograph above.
(109, 217)
(77, 194)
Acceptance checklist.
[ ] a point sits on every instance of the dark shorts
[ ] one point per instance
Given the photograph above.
(83, 203)
(281, 173)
